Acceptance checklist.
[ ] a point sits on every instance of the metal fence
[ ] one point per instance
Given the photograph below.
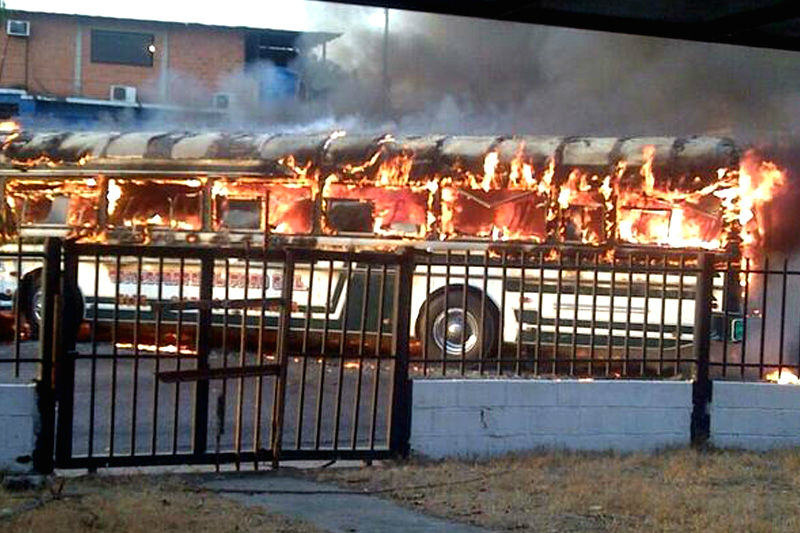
(20, 296)
(582, 313)
(170, 355)
(590, 313)
(231, 355)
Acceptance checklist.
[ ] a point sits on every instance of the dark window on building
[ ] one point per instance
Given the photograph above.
(277, 47)
(122, 47)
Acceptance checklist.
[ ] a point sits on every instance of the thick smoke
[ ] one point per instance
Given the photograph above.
(478, 76)
(458, 75)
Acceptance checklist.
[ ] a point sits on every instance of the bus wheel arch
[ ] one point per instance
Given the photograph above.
(31, 300)
(463, 331)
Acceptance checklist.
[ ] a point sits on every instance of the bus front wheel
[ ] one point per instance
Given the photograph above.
(456, 330)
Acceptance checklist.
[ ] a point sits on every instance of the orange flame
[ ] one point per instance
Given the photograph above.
(784, 376)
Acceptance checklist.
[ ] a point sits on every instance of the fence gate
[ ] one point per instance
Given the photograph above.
(241, 355)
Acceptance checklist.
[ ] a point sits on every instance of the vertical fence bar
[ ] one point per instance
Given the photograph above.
(378, 357)
(701, 390)
(43, 454)
(348, 295)
(764, 302)
(745, 311)
(93, 366)
(679, 332)
(281, 358)
(200, 438)
(400, 424)
(783, 314)
(464, 320)
(65, 359)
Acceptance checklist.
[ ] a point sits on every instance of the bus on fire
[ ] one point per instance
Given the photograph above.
(477, 209)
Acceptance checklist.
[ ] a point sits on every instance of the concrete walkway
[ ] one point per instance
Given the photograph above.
(326, 506)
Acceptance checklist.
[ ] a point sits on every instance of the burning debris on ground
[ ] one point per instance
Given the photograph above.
(694, 192)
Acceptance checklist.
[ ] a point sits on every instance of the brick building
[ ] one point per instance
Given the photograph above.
(82, 68)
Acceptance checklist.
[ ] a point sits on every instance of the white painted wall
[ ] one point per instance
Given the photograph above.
(453, 418)
(19, 423)
(755, 416)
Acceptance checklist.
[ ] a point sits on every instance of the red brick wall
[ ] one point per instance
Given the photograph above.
(202, 63)
(97, 78)
(201, 60)
(50, 56)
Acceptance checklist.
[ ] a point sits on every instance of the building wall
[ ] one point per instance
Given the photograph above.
(452, 418)
(755, 416)
(49, 53)
(190, 62)
(202, 63)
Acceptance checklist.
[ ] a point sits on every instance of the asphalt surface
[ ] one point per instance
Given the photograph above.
(122, 405)
(328, 507)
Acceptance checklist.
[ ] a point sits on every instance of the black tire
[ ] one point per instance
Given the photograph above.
(32, 302)
(31, 297)
(464, 327)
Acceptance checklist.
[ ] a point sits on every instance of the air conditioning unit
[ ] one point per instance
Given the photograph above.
(18, 28)
(122, 93)
(221, 100)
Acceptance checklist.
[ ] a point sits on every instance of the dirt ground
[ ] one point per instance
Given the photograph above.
(680, 490)
(140, 503)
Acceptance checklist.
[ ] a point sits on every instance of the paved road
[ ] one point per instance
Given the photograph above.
(115, 395)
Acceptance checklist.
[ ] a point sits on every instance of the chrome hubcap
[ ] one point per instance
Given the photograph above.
(36, 302)
(455, 331)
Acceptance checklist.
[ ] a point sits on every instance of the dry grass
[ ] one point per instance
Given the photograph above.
(137, 504)
(679, 490)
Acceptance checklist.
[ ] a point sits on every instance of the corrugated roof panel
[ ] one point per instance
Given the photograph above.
(130, 145)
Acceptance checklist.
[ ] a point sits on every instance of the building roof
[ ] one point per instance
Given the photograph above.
(757, 23)
(309, 39)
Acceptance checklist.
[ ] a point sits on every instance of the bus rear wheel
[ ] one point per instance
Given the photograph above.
(32, 307)
(455, 329)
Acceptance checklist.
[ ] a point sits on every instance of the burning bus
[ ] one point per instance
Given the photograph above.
(463, 197)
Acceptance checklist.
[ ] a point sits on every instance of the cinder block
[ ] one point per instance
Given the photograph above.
(754, 442)
(481, 392)
(456, 421)
(422, 420)
(602, 393)
(18, 399)
(676, 394)
(764, 395)
(534, 393)
(553, 420)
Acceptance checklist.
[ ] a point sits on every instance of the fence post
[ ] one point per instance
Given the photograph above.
(43, 455)
(701, 388)
(400, 429)
(64, 339)
(204, 316)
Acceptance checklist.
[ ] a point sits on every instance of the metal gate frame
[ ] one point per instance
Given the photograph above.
(61, 288)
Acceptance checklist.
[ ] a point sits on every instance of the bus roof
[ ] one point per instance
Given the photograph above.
(267, 154)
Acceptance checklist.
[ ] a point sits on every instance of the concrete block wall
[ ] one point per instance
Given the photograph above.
(755, 416)
(19, 425)
(452, 418)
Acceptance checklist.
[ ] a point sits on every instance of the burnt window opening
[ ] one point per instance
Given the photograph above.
(350, 216)
(123, 48)
(243, 214)
(148, 203)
